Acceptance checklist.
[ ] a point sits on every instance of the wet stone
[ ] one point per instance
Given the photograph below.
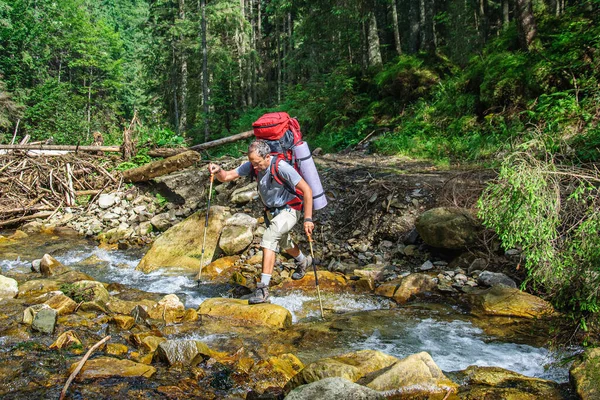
(45, 320)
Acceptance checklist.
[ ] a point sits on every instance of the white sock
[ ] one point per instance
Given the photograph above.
(300, 258)
(265, 279)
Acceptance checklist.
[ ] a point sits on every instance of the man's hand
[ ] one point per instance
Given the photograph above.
(308, 227)
(213, 168)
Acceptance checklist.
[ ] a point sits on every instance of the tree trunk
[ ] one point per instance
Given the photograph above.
(505, 13)
(161, 167)
(526, 23)
(204, 70)
(374, 48)
(184, 75)
(396, 28)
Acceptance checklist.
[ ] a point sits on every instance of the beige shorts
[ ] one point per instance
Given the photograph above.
(277, 234)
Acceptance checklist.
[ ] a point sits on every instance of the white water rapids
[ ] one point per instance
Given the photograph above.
(452, 340)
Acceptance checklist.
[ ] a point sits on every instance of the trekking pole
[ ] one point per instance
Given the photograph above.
(199, 277)
(312, 254)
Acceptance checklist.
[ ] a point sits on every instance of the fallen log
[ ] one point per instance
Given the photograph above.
(15, 221)
(115, 149)
(161, 167)
(22, 210)
(169, 152)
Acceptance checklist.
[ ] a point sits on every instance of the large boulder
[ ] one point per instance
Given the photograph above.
(235, 239)
(504, 301)
(350, 366)
(402, 289)
(448, 228)
(415, 373)
(107, 367)
(585, 375)
(239, 310)
(8, 288)
(181, 245)
(499, 383)
(333, 388)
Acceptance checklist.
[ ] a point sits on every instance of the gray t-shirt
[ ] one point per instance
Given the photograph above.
(272, 193)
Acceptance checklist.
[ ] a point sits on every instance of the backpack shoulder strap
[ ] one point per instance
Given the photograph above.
(275, 175)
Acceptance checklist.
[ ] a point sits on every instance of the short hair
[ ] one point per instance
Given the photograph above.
(260, 147)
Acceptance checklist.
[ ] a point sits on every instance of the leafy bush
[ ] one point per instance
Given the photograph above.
(553, 214)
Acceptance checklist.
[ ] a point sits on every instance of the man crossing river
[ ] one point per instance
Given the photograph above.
(284, 207)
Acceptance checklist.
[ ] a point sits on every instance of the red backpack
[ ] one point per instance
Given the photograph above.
(282, 134)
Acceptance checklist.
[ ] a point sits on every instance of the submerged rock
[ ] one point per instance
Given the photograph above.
(65, 340)
(239, 310)
(585, 375)
(106, 367)
(275, 371)
(180, 246)
(333, 388)
(182, 352)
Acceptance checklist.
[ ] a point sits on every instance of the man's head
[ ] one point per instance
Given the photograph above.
(259, 155)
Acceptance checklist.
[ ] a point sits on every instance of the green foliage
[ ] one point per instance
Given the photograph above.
(138, 160)
(76, 292)
(553, 215)
(161, 200)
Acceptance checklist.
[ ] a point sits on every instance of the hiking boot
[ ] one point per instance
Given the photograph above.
(301, 268)
(261, 295)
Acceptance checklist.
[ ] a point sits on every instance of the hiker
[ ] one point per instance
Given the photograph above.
(283, 206)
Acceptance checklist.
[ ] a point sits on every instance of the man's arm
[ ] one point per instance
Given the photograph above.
(307, 196)
(221, 174)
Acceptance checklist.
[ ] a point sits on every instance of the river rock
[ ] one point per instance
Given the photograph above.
(30, 312)
(448, 228)
(62, 304)
(235, 239)
(219, 266)
(44, 320)
(180, 246)
(245, 194)
(49, 266)
(161, 222)
(147, 341)
(585, 375)
(9, 288)
(402, 289)
(169, 308)
(415, 373)
(488, 278)
(241, 219)
(258, 314)
(106, 201)
(116, 349)
(65, 340)
(124, 322)
(333, 388)
(107, 367)
(501, 300)
(275, 371)
(328, 281)
(495, 382)
(182, 352)
(350, 366)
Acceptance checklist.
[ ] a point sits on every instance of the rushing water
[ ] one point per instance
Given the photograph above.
(365, 322)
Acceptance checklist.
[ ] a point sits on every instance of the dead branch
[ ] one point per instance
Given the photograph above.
(80, 365)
